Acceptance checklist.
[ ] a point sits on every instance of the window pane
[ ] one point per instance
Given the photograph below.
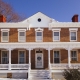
(21, 60)
(22, 33)
(4, 54)
(56, 54)
(56, 37)
(39, 33)
(73, 35)
(56, 60)
(21, 53)
(39, 37)
(5, 33)
(56, 33)
(4, 60)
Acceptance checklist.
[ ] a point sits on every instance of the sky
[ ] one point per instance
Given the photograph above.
(60, 10)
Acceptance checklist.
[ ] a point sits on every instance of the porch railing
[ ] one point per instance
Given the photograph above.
(19, 66)
(59, 66)
(14, 66)
(65, 66)
(4, 66)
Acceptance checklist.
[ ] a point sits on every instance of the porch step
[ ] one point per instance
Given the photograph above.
(39, 75)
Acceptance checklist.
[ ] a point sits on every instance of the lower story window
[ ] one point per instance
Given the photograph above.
(5, 57)
(56, 57)
(73, 55)
(21, 57)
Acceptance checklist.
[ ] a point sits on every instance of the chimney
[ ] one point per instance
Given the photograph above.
(2, 18)
(75, 18)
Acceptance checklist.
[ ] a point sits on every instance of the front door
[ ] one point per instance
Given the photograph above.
(39, 60)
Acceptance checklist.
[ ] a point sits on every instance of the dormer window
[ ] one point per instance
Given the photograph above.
(39, 34)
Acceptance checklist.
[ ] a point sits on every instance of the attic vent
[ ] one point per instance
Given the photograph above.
(39, 19)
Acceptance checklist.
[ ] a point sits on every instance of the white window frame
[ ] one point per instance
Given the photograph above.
(73, 30)
(59, 56)
(4, 30)
(56, 30)
(1, 55)
(21, 30)
(42, 36)
(24, 56)
(76, 54)
(70, 35)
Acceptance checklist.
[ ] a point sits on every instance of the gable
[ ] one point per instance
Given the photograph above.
(38, 20)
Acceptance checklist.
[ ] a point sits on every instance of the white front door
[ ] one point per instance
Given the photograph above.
(39, 60)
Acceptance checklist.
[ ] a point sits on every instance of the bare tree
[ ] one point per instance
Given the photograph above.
(9, 13)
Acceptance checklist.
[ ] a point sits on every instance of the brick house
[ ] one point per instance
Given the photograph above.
(39, 47)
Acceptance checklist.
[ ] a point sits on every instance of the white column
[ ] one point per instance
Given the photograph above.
(49, 58)
(30, 58)
(9, 59)
(69, 57)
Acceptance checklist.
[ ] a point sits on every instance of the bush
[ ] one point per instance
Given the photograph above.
(71, 74)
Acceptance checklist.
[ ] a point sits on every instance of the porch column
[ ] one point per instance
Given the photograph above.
(69, 57)
(9, 59)
(49, 57)
(29, 58)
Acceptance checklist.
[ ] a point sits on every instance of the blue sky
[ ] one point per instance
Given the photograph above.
(60, 10)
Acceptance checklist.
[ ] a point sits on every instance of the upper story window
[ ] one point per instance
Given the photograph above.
(73, 34)
(21, 35)
(22, 57)
(56, 34)
(73, 55)
(4, 35)
(39, 34)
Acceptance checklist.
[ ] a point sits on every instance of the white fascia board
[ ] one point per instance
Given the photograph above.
(14, 25)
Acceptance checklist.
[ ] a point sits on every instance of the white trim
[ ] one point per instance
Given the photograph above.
(5, 29)
(70, 35)
(24, 36)
(59, 55)
(53, 34)
(36, 58)
(2, 35)
(1, 55)
(73, 29)
(24, 56)
(21, 29)
(76, 53)
(36, 36)
(58, 29)
(39, 29)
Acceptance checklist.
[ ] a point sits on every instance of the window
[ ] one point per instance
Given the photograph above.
(56, 57)
(21, 36)
(39, 36)
(5, 57)
(73, 36)
(22, 57)
(5, 36)
(56, 34)
(73, 55)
